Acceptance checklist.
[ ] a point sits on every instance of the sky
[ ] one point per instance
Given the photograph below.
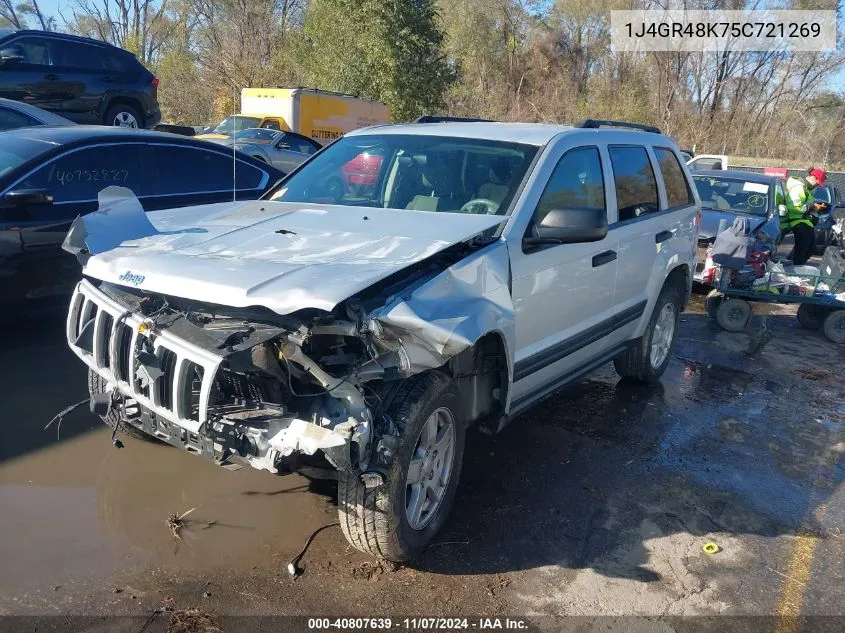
(51, 7)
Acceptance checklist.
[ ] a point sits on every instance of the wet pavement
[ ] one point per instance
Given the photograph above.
(595, 503)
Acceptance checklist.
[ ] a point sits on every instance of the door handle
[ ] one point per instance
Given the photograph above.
(51, 76)
(603, 258)
(663, 236)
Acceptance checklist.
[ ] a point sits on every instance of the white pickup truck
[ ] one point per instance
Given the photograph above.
(361, 330)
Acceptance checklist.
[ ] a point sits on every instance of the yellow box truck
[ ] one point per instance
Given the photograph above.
(318, 114)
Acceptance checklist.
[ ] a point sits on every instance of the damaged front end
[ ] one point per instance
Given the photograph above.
(297, 391)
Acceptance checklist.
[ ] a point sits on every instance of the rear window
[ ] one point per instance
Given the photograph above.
(77, 56)
(678, 192)
(186, 170)
(732, 194)
(636, 186)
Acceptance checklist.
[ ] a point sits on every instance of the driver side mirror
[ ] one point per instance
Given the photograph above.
(782, 211)
(25, 197)
(10, 56)
(569, 226)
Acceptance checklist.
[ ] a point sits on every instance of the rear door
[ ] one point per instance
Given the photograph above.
(82, 78)
(655, 226)
(188, 175)
(32, 80)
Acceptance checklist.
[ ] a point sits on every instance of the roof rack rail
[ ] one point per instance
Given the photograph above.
(430, 118)
(594, 124)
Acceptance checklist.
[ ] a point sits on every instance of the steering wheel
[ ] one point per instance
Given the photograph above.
(480, 206)
(756, 201)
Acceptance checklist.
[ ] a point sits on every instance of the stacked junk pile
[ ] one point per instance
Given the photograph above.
(747, 273)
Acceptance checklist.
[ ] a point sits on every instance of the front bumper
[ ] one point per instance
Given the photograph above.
(179, 404)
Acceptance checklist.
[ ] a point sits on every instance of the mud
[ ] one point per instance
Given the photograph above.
(596, 502)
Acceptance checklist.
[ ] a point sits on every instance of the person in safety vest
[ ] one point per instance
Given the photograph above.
(798, 216)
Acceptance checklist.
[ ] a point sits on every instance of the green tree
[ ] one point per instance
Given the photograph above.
(390, 50)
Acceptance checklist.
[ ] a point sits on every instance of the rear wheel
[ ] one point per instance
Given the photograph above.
(834, 326)
(98, 384)
(647, 358)
(397, 520)
(810, 316)
(121, 115)
(733, 315)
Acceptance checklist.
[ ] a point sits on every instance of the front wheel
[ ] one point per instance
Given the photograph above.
(397, 520)
(647, 358)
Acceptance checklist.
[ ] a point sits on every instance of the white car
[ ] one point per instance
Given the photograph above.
(362, 329)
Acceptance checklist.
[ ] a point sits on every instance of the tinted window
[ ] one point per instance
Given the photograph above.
(34, 50)
(295, 144)
(575, 183)
(271, 125)
(80, 175)
(11, 119)
(677, 189)
(636, 187)
(77, 56)
(822, 194)
(186, 170)
(116, 62)
(14, 152)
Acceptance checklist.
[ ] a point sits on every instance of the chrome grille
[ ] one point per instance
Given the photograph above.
(180, 394)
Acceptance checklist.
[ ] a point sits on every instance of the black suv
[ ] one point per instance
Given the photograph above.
(84, 80)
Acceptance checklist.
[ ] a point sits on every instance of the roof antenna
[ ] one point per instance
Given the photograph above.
(234, 160)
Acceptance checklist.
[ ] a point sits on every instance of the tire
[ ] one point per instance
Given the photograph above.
(810, 316)
(125, 114)
(712, 302)
(834, 327)
(97, 384)
(638, 362)
(733, 315)
(375, 520)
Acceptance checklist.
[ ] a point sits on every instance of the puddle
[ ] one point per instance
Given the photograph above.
(81, 508)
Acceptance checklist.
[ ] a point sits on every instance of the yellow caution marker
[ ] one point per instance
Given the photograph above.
(711, 548)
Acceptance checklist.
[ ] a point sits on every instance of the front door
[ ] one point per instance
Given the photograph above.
(562, 294)
(31, 80)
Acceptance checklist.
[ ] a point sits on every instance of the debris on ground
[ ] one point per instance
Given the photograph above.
(293, 568)
(711, 548)
(176, 522)
(192, 621)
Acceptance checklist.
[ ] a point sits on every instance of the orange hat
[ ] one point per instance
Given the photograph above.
(818, 173)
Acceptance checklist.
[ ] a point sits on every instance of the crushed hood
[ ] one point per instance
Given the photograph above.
(711, 219)
(280, 255)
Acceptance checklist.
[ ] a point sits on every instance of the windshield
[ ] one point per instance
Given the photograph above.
(256, 135)
(735, 195)
(236, 123)
(424, 173)
(14, 152)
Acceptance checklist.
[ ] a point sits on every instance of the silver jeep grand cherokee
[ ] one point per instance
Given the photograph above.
(361, 327)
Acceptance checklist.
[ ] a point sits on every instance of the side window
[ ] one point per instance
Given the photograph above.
(780, 195)
(115, 62)
(34, 50)
(78, 176)
(678, 191)
(271, 125)
(11, 119)
(188, 170)
(636, 187)
(77, 56)
(575, 183)
(295, 144)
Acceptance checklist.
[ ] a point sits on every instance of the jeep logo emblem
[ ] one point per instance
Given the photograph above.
(131, 278)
